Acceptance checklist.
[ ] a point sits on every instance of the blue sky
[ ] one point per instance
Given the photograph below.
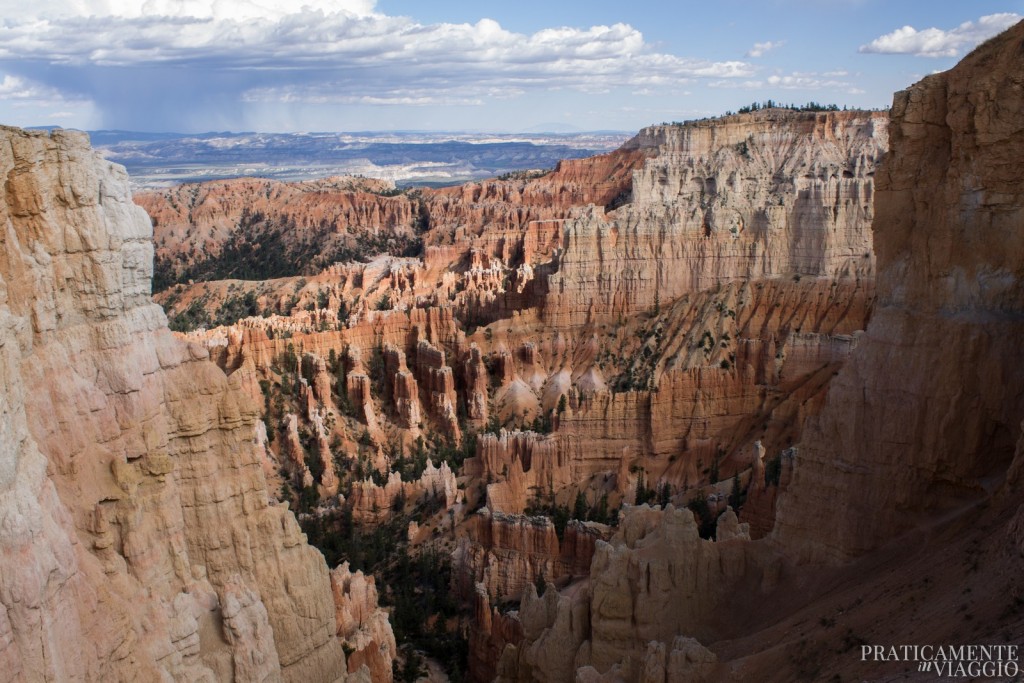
(527, 65)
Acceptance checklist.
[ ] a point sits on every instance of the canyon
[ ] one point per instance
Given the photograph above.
(730, 402)
(653, 325)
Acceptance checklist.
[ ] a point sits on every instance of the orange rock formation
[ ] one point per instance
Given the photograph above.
(138, 538)
(919, 440)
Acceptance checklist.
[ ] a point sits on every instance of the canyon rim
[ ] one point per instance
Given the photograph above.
(740, 400)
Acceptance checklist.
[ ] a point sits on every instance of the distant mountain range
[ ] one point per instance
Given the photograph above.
(404, 157)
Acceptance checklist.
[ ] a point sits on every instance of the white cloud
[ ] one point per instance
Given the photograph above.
(204, 64)
(744, 85)
(364, 45)
(334, 93)
(16, 89)
(934, 42)
(805, 81)
(797, 80)
(26, 102)
(215, 9)
(760, 49)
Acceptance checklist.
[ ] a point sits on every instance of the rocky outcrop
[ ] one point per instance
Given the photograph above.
(636, 323)
(739, 344)
(919, 439)
(546, 312)
(502, 558)
(402, 388)
(554, 628)
(217, 205)
(438, 383)
(684, 660)
(492, 631)
(359, 393)
(654, 580)
(505, 553)
(523, 466)
(138, 539)
(477, 381)
(199, 221)
(925, 415)
(362, 625)
(762, 495)
(750, 196)
(333, 219)
(658, 579)
(371, 502)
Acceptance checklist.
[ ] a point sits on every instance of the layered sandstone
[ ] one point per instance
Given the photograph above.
(524, 467)
(138, 536)
(334, 217)
(438, 382)
(197, 220)
(919, 439)
(371, 502)
(751, 196)
(504, 553)
(492, 631)
(215, 207)
(653, 581)
(635, 322)
(362, 625)
(925, 416)
(402, 387)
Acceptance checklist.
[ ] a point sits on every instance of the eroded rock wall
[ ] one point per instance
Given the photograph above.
(642, 318)
(138, 538)
(919, 439)
(750, 196)
(925, 416)
(654, 581)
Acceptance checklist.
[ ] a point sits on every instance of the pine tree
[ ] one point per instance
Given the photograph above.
(540, 584)
(641, 490)
(580, 508)
(736, 497)
(602, 510)
(664, 494)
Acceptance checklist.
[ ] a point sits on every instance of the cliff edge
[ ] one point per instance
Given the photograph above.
(902, 521)
(136, 537)
(925, 417)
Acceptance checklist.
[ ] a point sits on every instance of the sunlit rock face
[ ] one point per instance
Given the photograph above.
(904, 487)
(749, 196)
(659, 310)
(136, 537)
